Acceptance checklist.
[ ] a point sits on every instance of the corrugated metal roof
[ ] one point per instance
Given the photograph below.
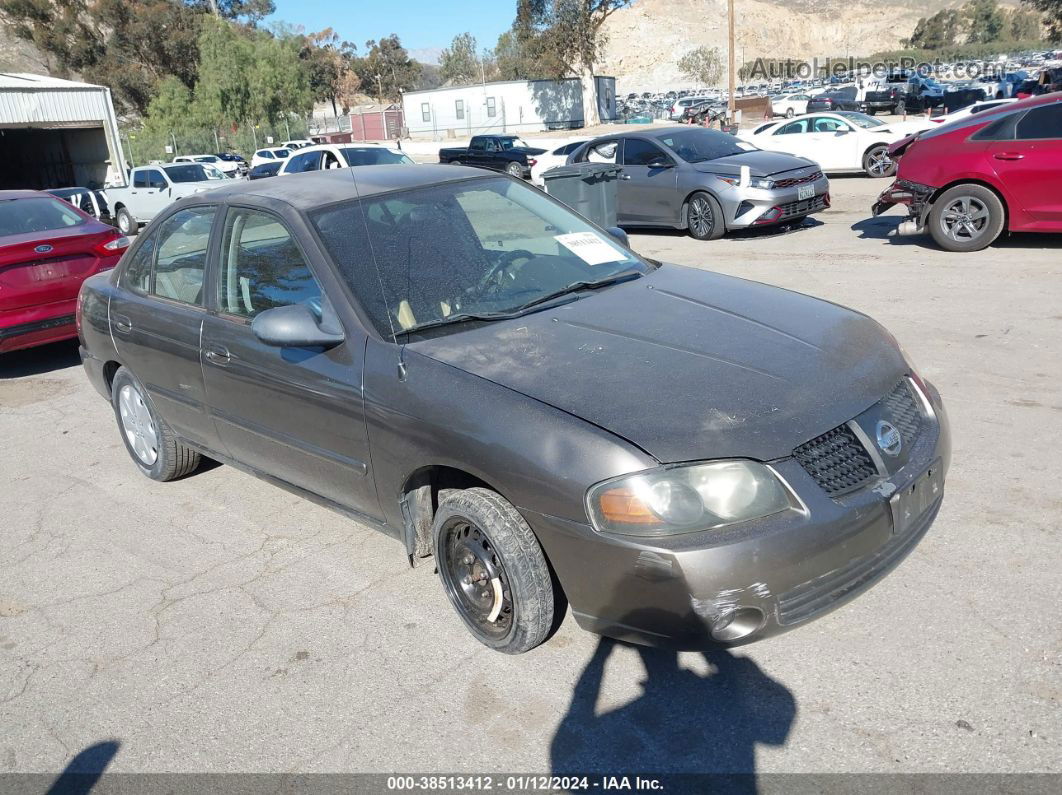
(38, 99)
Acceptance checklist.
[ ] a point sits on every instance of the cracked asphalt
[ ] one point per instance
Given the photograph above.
(220, 624)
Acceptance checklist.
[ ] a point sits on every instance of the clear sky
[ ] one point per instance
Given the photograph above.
(420, 24)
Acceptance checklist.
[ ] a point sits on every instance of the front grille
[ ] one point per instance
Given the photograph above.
(900, 408)
(788, 183)
(793, 209)
(837, 461)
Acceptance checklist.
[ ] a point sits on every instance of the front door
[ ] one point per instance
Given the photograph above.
(648, 186)
(294, 413)
(156, 317)
(1029, 166)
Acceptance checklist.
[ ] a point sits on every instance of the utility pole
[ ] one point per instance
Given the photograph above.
(731, 78)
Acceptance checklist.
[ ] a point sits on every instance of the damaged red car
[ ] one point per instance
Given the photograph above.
(967, 182)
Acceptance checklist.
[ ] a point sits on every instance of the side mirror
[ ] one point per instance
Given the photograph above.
(620, 235)
(292, 327)
(661, 162)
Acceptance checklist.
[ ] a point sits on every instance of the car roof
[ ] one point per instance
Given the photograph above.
(23, 194)
(329, 147)
(313, 189)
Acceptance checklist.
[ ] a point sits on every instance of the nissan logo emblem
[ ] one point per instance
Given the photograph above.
(889, 439)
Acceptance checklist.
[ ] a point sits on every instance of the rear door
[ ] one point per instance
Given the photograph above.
(1030, 165)
(648, 191)
(156, 317)
(294, 413)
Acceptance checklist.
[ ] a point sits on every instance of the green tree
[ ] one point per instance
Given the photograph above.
(984, 21)
(939, 30)
(387, 70)
(1025, 25)
(1052, 15)
(703, 65)
(458, 63)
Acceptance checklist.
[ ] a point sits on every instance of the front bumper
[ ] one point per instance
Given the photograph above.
(748, 207)
(764, 577)
(915, 196)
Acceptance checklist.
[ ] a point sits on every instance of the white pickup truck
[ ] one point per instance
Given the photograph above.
(153, 188)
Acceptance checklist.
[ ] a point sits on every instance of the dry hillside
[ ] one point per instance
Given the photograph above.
(646, 40)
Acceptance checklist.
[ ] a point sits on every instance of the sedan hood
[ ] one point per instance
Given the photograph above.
(760, 163)
(689, 364)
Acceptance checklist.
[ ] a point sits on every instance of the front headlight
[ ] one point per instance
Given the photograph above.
(686, 498)
(754, 182)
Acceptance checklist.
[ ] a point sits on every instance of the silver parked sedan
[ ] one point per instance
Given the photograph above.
(706, 181)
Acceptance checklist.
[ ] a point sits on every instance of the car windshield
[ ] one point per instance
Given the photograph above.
(481, 249)
(372, 156)
(281, 152)
(513, 143)
(188, 172)
(700, 145)
(861, 119)
(25, 216)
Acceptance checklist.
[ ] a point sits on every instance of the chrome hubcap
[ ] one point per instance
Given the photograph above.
(137, 425)
(964, 219)
(701, 220)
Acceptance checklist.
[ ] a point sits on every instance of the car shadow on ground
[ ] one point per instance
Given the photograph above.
(83, 771)
(752, 233)
(40, 360)
(884, 228)
(682, 723)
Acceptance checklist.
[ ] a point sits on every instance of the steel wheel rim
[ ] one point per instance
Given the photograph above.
(137, 425)
(476, 580)
(701, 220)
(123, 223)
(964, 219)
(880, 162)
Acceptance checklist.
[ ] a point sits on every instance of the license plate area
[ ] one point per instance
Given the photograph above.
(805, 192)
(909, 504)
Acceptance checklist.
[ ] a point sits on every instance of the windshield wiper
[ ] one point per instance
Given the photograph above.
(616, 278)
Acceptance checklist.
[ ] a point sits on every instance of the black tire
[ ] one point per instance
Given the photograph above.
(877, 163)
(168, 459)
(481, 540)
(127, 224)
(515, 170)
(966, 218)
(714, 228)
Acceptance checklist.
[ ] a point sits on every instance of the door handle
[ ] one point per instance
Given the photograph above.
(123, 324)
(218, 355)
(1008, 156)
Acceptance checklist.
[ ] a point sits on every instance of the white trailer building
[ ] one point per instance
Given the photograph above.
(57, 134)
(510, 106)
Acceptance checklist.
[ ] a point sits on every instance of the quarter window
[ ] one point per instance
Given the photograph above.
(1042, 122)
(136, 274)
(491, 108)
(181, 259)
(261, 267)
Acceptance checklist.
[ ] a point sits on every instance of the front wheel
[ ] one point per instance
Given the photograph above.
(515, 170)
(148, 439)
(493, 570)
(966, 218)
(877, 163)
(704, 217)
(126, 222)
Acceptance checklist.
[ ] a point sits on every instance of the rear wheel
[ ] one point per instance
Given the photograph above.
(493, 570)
(514, 170)
(148, 439)
(877, 163)
(704, 217)
(966, 218)
(126, 222)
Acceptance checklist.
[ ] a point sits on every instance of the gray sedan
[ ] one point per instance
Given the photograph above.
(461, 361)
(706, 181)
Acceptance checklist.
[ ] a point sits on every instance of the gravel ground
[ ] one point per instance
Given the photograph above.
(220, 624)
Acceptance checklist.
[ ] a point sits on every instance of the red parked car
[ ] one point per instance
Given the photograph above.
(47, 249)
(967, 181)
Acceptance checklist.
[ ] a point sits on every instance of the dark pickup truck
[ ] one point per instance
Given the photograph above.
(870, 100)
(506, 153)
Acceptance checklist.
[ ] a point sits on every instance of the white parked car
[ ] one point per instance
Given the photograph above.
(552, 158)
(841, 142)
(153, 188)
(790, 105)
(269, 155)
(320, 157)
(230, 167)
(298, 143)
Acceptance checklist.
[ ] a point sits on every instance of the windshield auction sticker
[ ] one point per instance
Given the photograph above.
(590, 248)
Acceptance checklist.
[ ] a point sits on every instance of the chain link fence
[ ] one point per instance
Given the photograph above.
(143, 146)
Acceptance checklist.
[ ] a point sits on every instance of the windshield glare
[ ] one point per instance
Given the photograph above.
(701, 145)
(861, 119)
(23, 216)
(372, 156)
(479, 246)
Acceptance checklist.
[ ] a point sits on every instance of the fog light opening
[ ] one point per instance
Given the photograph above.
(737, 623)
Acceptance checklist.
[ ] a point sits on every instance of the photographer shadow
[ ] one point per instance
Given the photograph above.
(682, 723)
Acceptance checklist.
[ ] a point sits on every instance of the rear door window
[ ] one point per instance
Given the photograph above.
(183, 241)
(136, 273)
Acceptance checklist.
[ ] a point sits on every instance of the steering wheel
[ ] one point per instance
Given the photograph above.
(507, 259)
